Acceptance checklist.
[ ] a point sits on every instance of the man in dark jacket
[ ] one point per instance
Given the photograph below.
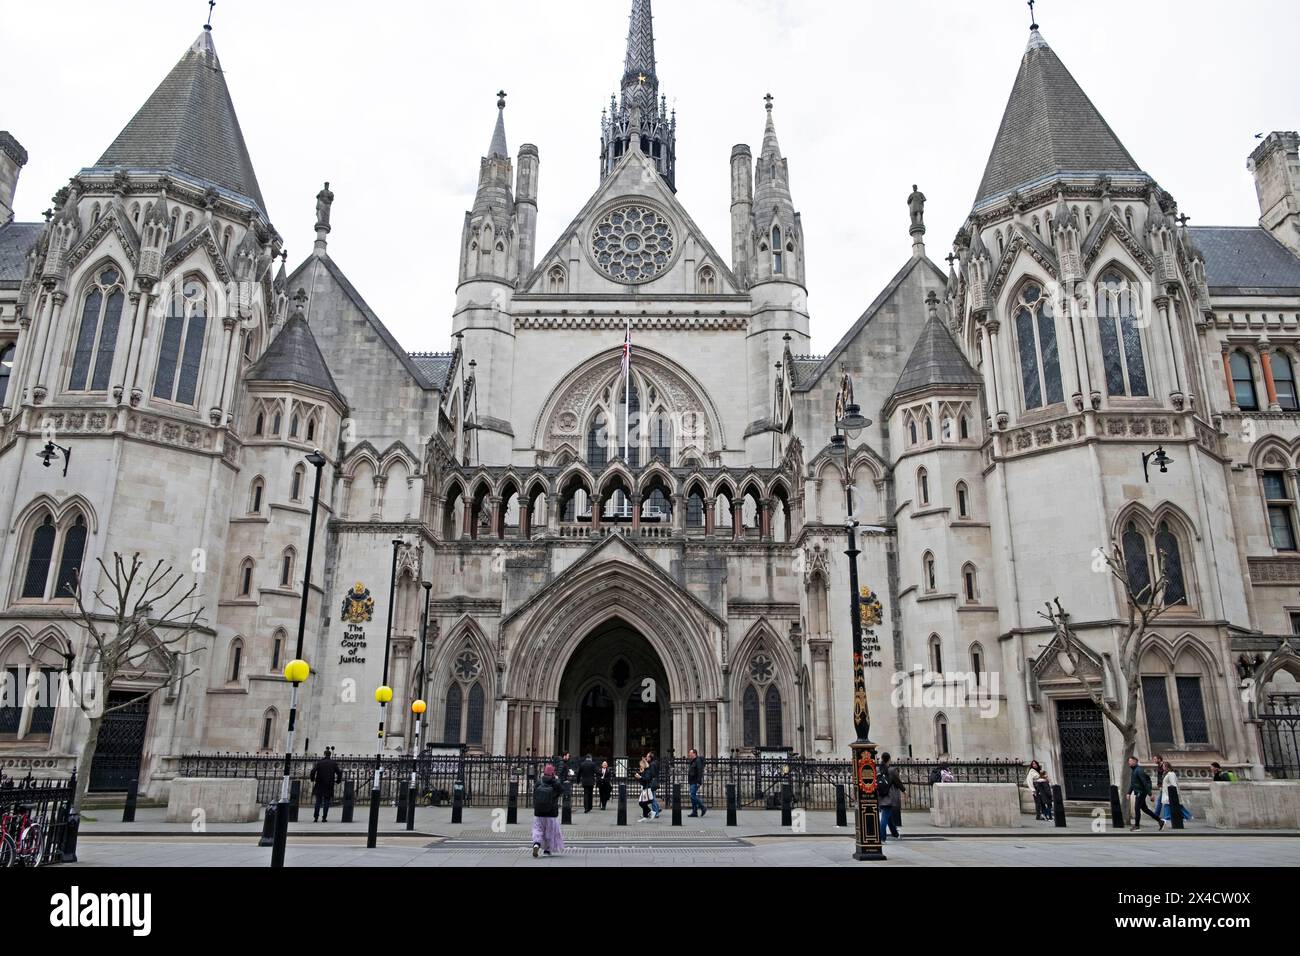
(587, 778)
(324, 776)
(889, 797)
(1139, 788)
(695, 779)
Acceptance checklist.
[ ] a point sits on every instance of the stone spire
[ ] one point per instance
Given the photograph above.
(776, 225)
(488, 241)
(188, 127)
(640, 112)
(498, 146)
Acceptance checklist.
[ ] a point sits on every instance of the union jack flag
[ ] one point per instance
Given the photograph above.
(627, 349)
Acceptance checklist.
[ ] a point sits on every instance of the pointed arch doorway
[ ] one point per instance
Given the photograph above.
(613, 697)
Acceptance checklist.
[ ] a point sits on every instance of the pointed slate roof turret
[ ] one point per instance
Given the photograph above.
(1049, 127)
(188, 126)
(936, 359)
(294, 356)
(498, 146)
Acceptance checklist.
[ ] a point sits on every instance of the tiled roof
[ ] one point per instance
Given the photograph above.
(16, 240)
(189, 126)
(935, 360)
(1246, 258)
(1049, 126)
(294, 356)
(434, 366)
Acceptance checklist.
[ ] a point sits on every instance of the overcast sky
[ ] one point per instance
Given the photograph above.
(394, 103)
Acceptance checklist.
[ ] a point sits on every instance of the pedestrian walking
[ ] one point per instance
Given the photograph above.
(1041, 790)
(649, 786)
(1139, 789)
(644, 797)
(587, 780)
(695, 780)
(889, 796)
(547, 837)
(1221, 775)
(324, 776)
(1170, 779)
(604, 782)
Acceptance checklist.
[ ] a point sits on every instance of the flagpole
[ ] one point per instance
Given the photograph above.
(627, 390)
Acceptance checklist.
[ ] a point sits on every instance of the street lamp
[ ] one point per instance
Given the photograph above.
(418, 707)
(850, 423)
(1158, 457)
(383, 696)
(296, 673)
(52, 451)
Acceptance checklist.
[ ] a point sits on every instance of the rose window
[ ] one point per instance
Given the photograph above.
(633, 244)
(760, 668)
(467, 665)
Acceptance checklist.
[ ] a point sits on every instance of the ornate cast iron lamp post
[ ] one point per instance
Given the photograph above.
(296, 672)
(383, 696)
(418, 707)
(849, 423)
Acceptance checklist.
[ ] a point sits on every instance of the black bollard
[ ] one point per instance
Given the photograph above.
(1116, 809)
(402, 787)
(622, 805)
(1175, 809)
(787, 805)
(295, 798)
(677, 804)
(566, 805)
(1058, 805)
(411, 794)
(349, 800)
(70, 835)
(372, 823)
(457, 801)
(841, 807)
(512, 803)
(731, 804)
(268, 827)
(132, 795)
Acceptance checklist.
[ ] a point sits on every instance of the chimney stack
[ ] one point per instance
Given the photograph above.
(12, 160)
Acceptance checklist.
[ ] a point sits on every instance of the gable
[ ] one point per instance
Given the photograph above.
(634, 184)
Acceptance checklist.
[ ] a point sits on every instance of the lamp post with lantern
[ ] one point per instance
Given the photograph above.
(418, 708)
(849, 424)
(383, 697)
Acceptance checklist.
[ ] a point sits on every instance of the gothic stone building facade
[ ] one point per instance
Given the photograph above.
(656, 559)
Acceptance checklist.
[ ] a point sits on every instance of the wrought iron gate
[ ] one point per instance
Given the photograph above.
(1279, 731)
(121, 744)
(1083, 750)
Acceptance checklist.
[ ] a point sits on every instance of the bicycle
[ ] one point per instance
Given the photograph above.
(27, 847)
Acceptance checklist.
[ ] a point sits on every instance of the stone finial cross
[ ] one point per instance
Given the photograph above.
(768, 100)
(501, 99)
(1183, 219)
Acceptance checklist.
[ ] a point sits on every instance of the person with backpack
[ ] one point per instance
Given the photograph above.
(547, 837)
(1139, 788)
(324, 776)
(1221, 775)
(889, 795)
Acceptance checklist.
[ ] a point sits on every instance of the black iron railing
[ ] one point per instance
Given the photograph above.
(486, 779)
(33, 820)
(1279, 732)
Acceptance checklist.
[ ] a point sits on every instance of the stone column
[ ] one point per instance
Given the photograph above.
(679, 513)
(737, 519)
(1266, 366)
(377, 502)
(553, 514)
(765, 519)
(1000, 415)
(1227, 377)
(468, 531)
(596, 508)
(636, 512)
(13, 400)
(525, 531)
(47, 339)
(345, 493)
(496, 516)
(822, 703)
(710, 516)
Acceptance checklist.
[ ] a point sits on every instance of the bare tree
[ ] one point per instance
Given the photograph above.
(135, 614)
(1146, 603)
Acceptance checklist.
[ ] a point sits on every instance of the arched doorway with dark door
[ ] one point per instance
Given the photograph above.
(613, 699)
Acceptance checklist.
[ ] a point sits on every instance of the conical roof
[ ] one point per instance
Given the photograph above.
(936, 360)
(498, 146)
(1049, 127)
(188, 126)
(294, 356)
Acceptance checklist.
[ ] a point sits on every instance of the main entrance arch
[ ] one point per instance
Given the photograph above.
(613, 696)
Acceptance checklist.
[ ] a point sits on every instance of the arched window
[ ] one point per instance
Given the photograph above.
(598, 441)
(911, 431)
(295, 485)
(1121, 339)
(1243, 381)
(268, 728)
(708, 281)
(101, 315)
(941, 741)
(311, 429)
(255, 496)
(74, 550)
(1134, 546)
(277, 647)
(286, 568)
(1283, 382)
(661, 437)
(474, 718)
(180, 353)
(772, 714)
(750, 716)
(1147, 555)
(1170, 559)
(695, 509)
(225, 242)
(276, 422)
(630, 404)
(1040, 370)
(7, 352)
(929, 429)
(236, 660)
(39, 557)
(451, 725)
(778, 256)
(963, 427)
(927, 563)
(977, 660)
(963, 500)
(246, 578)
(293, 426)
(936, 654)
(970, 583)
(922, 486)
(555, 280)
(260, 425)
(1278, 501)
